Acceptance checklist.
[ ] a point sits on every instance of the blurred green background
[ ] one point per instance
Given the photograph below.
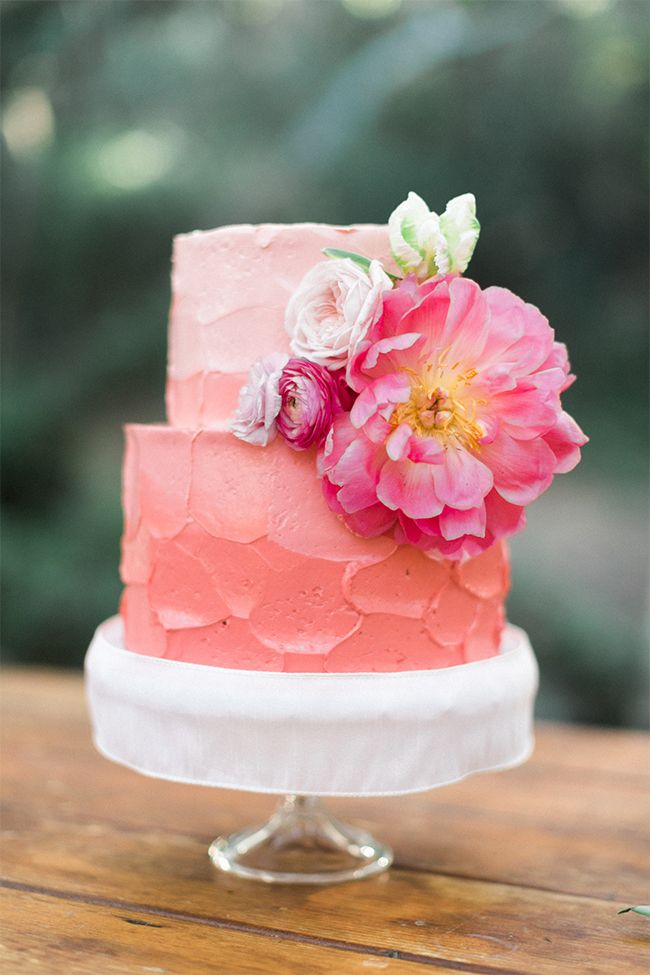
(126, 122)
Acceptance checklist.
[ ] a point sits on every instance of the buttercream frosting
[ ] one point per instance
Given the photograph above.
(231, 557)
(230, 289)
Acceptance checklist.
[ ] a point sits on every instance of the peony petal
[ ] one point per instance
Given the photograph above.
(519, 336)
(407, 531)
(503, 518)
(387, 354)
(467, 325)
(454, 524)
(565, 440)
(426, 450)
(398, 442)
(330, 491)
(558, 358)
(357, 473)
(462, 481)
(377, 428)
(339, 438)
(522, 469)
(429, 317)
(371, 522)
(409, 488)
(393, 388)
(524, 413)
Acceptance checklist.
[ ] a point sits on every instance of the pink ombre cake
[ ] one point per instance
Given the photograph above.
(231, 555)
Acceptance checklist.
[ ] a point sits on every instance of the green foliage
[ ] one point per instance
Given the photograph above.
(127, 122)
(359, 259)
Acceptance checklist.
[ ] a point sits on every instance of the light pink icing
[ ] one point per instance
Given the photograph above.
(232, 558)
(230, 289)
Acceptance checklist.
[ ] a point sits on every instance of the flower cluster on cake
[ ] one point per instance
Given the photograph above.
(435, 404)
(392, 420)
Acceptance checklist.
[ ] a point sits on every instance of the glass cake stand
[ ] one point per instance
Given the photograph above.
(301, 843)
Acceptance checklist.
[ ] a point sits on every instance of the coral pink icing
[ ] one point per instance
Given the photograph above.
(230, 554)
(231, 558)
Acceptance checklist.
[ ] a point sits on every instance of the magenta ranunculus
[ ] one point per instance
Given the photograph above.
(311, 396)
(458, 423)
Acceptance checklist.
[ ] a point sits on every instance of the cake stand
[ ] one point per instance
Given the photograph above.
(305, 736)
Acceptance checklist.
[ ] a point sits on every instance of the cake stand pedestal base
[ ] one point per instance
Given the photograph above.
(301, 843)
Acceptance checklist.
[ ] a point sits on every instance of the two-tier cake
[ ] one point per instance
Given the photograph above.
(368, 534)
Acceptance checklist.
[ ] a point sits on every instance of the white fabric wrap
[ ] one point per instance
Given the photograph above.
(312, 734)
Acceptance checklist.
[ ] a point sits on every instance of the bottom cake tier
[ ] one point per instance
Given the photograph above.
(232, 558)
(311, 734)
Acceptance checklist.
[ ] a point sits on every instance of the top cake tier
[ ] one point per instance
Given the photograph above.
(230, 289)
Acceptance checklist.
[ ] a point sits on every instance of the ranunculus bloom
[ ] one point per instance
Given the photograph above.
(332, 309)
(259, 401)
(310, 399)
(458, 423)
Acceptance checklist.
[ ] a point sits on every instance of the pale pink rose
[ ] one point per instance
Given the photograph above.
(333, 308)
(310, 396)
(458, 423)
(260, 401)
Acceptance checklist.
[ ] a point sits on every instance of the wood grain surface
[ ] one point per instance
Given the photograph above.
(515, 873)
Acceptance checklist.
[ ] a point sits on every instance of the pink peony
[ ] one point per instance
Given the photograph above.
(311, 396)
(458, 423)
(259, 401)
(332, 309)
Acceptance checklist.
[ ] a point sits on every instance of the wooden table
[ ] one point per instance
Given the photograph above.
(518, 872)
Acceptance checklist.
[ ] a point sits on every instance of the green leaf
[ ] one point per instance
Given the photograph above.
(359, 259)
(643, 909)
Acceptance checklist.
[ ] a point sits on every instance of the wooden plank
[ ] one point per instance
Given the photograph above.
(610, 751)
(56, 936)
(442, 838)
(500, 927)
(564, 829)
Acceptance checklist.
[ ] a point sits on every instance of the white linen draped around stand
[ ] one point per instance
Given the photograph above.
(310, 734)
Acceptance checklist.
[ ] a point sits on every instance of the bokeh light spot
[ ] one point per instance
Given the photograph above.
(28, 122)
(136, 159)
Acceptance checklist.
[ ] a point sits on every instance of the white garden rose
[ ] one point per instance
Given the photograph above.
(332, 309)
(426, 244)
(260, 401)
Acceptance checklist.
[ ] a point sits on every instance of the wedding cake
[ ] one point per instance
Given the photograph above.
(354, 429)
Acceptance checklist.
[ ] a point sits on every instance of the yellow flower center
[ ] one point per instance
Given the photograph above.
(441, 406)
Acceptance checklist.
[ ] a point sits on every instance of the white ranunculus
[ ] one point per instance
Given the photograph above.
(260, 401)
(426, 244)
(332, 309)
